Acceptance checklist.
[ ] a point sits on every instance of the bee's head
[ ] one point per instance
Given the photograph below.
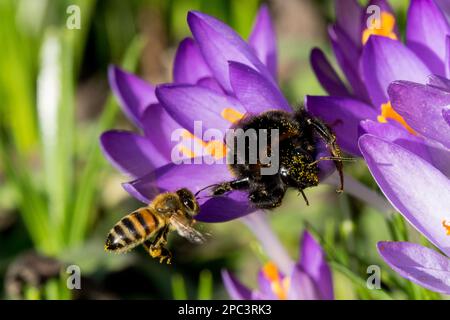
(189, 202)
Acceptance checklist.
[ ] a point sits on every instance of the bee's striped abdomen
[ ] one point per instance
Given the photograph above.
(132, 230)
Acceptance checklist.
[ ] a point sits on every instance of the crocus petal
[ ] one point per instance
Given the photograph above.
(343, 115)
(302, 286)
(385, 60)
(445, 7)
(397, 135)
(349, 15)
(225, 208)
(439, 82)
(188, 104)
(421, 106)
(235, 288)
(419, 191)
(189, 65)
(417, 263)
(348, 56)
(174, 176)
(313, 263)
(426, 33)
(134, 94)
(326, 74)
(255, 92)
(158, 127)
(210, 83)
(428, 150)
(446, 115)
(447, 57)
(130, 153)
(263, 40)
(219, 44)
(265, 287)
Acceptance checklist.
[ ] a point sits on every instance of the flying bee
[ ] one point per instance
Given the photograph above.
(297, 151)
(151, 225)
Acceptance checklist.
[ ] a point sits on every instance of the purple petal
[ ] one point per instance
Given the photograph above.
(326, 74)
(130, 153)
(220, 44)
(158, 127)
(419, 191)
(343, 115)
(417, 263)
(314, 263)
(445, 7)
(255, 92)
(397, 135)
(439, 82)
(447, 57)
(265, 287)
(302, 286)
(134, 94)
(225, 208)
(348, 56)
(421, 106)
(210, 83)
(385, 60)
(189, 65)
(349, 15)
(426, 33)
(446, 115)
(235, 288)
(426, 149)
(263, 40)
(188, 104)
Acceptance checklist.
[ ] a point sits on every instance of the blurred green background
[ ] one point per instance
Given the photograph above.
(59, 197)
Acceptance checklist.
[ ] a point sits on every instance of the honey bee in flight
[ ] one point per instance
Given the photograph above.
(151, 225)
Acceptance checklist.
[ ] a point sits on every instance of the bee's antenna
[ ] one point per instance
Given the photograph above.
(203, 189)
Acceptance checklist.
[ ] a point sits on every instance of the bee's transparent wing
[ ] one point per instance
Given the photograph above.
(184, 229)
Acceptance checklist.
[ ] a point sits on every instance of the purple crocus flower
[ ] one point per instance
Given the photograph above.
(413, 172)
(310, 278)
(218, 78)
(371, 59)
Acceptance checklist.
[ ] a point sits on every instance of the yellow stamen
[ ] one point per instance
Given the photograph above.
(446, 226)
(280, 287)
(386, 28)
(387, 112)
(214, 148)
(231, 115)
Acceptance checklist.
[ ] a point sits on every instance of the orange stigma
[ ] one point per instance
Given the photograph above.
(387, 112)
(446, 226)
(384, 28)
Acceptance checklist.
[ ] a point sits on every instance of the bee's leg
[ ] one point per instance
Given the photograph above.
(228, 186)
(265, 197)
(330, 139)
(156, 247)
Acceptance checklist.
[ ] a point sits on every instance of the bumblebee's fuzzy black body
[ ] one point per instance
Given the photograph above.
(298, 133)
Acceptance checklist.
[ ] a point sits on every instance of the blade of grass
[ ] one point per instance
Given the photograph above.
(86, 189)
(179, 288)
(205, 285)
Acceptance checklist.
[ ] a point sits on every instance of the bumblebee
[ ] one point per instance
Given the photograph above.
(297, 166)
(151, 225)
